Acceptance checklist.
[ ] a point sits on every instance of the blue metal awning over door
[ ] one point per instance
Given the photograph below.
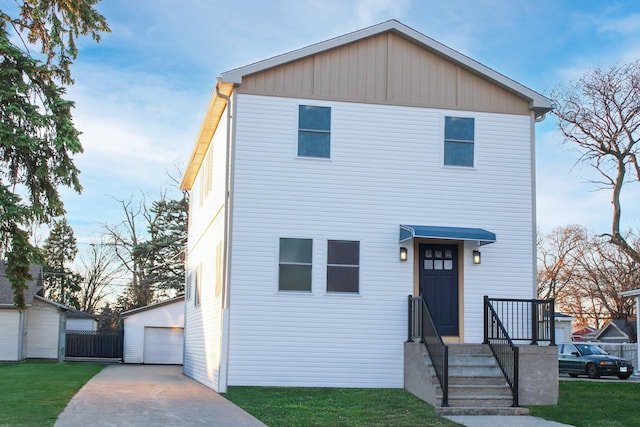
(483, 237)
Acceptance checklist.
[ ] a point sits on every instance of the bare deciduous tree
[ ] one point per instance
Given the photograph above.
(99, 268)
(126, 239)
(599, 114)
(556, 252)
(586, 274)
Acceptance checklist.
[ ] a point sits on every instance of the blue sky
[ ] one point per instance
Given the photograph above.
(141, 94)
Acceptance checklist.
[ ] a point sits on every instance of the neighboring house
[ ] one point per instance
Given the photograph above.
(586, 333)
(329, 183)
(617, 331)
(81, 321)
(563, 327)
(38, 332)
(154, 334)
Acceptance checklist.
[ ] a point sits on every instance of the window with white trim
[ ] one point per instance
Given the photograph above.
(295, 264)
(343, 266)
(459, 141)
(314, 131)
(198, 284)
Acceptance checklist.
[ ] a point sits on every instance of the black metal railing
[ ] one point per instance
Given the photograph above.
(526, 319)
(422, 327)
(502, 347)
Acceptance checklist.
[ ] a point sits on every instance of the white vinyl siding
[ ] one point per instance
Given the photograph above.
(10, 335)
(203, 325)
(43, 330)
(170, 315)
(81, 325)
(385, 170)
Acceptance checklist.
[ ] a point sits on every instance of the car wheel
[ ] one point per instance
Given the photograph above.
(573, 375)
(624, 376)
(592, 371)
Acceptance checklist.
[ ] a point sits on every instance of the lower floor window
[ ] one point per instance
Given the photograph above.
(343, 266)
(295, 262)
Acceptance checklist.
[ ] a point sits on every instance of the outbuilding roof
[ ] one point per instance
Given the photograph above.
(33, 286)
(152, 306)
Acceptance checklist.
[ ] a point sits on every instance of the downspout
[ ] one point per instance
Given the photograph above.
(534, 219)
(637, 372)
(226, 253)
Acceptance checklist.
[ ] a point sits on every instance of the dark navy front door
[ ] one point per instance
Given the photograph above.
(439, 285)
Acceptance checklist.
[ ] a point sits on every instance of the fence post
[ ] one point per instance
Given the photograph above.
(552, 321)
(410, 322)
(486, 319)
(516, 374)
(534, 322)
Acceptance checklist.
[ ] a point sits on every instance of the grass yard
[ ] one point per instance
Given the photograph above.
(594, 404)
(298, 406)
(34, 393)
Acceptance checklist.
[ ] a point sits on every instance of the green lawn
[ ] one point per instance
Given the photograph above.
(594, 404)
(297, 406)
(34, 393)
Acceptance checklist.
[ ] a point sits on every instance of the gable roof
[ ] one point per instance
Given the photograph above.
(563, 317)
(228, 80)
(33, 286)
(617, 328)
(152, 306)
(77, 314)
(53, 303)
(537, 101)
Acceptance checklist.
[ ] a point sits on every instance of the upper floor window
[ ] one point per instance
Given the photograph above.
(458, 141)
(314, 131)
(295, 264)
(198, 286)
(343, 266)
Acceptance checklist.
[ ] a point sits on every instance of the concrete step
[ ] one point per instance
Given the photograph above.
(483, 380)
(472, 360)
(501, 390)
(470, 349)
(444, 411)
(474, 371)
(480, 402)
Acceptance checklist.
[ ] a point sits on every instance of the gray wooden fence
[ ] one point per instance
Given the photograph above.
(626, 351)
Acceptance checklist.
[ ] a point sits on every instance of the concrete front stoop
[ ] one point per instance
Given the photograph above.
(476, 383)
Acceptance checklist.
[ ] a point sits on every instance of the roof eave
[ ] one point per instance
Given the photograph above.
(207, 130)
(631, 293)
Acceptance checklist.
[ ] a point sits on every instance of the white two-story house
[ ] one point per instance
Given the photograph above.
(329, 183)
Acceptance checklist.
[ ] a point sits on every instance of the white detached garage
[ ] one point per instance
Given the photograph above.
(155, 334)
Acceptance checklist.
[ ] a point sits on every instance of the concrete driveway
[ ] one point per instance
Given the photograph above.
(149, 395)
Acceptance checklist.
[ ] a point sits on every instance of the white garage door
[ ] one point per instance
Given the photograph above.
(163, 345)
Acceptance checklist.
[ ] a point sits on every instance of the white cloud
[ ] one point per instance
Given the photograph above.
(626, 25)
(141, 94)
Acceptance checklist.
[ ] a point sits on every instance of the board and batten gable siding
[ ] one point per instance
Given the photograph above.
(44, 326)
(385, 69)
(11, 321)
(203, 324)
(386, 169)
(168, 315)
